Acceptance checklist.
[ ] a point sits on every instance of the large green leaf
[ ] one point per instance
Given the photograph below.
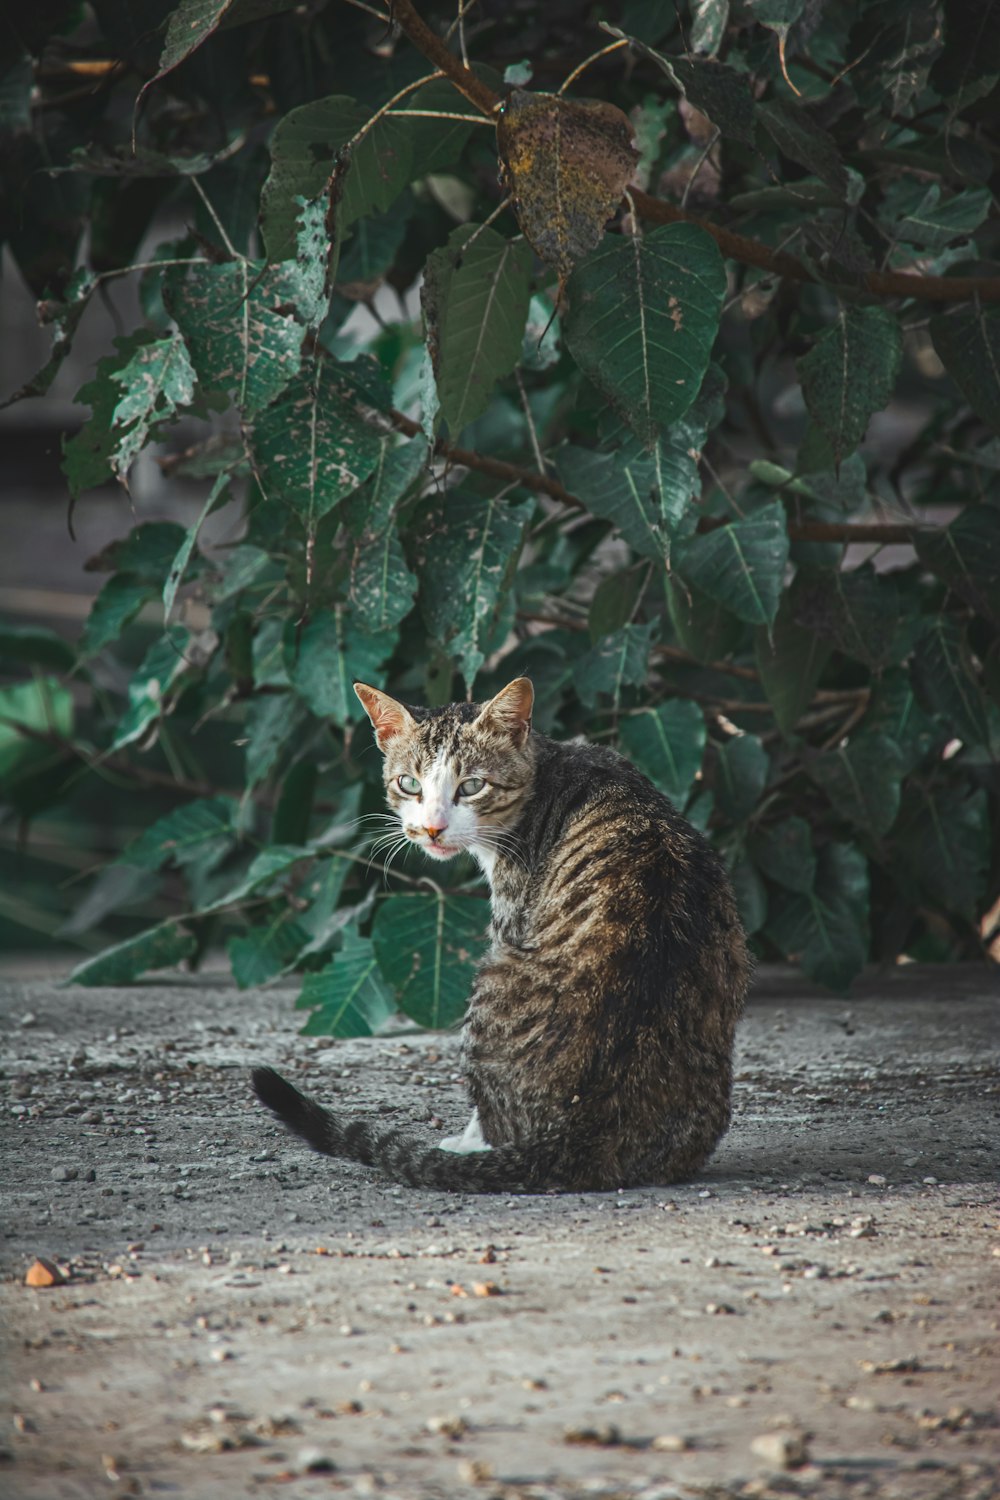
(160, 948)
(742, 770)
(719, 92)
(260, 954)
(382, 586)
(239, 324)
(784, 851)
(313, 445)
(896, 712)
(967, 342)
(857, 612)
(966, 554)
(802, 139)
(826, 930)
(790, 661)
(741, 565)
(349, 997)
(944, 674)
(328, 656)
(943, 843)
(850, 373)
(667, 743)
(259, 876)
(200, 832)
(619, 660)
(862, 780)
(475, 298)
(623, 490)
(427, 946)
(468, 550)
(273, 721)
(703, 626)
(115, 607)
(304, 153)
(163, 664)
(641, 321)
(156, 381)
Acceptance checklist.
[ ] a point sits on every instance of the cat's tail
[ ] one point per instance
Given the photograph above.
(403, 1157)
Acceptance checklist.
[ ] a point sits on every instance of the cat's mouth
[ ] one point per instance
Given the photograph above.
(441, 851)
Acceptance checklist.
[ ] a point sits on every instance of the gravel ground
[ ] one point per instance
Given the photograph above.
(815, 1315)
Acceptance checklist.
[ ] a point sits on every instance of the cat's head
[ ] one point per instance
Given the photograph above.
(457, 777)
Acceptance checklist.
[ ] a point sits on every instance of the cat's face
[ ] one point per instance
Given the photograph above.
(456, 777)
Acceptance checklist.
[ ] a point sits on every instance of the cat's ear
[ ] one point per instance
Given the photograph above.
(388, 717)
(510, 710)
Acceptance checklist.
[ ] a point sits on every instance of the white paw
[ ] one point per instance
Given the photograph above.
(471, 1138)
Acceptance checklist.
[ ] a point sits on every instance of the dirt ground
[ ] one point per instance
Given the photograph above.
(816, 1314)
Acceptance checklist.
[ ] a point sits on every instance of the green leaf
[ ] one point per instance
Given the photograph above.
(802, 139)
(475, 305)
(189, 25)
(373, 247)
(146, 552)
(468, 551)
(966, 555)
(62, 317)
(667, 743)
(290, 824)
(862, 780)
(427, 946)
(741, 774)
(157, 380)
(163, 664)
(709, 19)
(160, 948)
(741, 565)
(641, 321)
(943, 843)
(304, 154)
(621, 490)
(620, 660)
(967, 342)
(784, 852)
(115, 607)
(932, 224)
(35, 645)
(87, 455)
(826, 931)
(273, 720)
(183, 555)
(382, 586)
(790, 661)
(857, 612)
(751, 895)
(616, 600)
(322, 920)
(703, 627)
(896, 713)
(777, 15)
(43, 705)
(349, 997)
(329, 655)
(263, 870)
(717, 91)
(312, 446)
(850, 373)
(945, 678)
(258, 955)
(239, 324)
(199, 833)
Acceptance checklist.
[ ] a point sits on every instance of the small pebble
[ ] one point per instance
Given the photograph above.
(448, 1425)
(64, 1174)
(474, 1470)
(314, 1461)
(781, 1450)
(876, 1179)
(605, 1436)
(671, 1442)
(44, 1272)
(92, 1117)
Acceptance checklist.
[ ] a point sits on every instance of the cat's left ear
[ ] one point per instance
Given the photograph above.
(510, 710)
(388, 717)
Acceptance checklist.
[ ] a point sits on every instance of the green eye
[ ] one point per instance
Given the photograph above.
(408, 784)
(471, 787)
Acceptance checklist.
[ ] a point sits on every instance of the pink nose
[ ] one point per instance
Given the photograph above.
(433, 832)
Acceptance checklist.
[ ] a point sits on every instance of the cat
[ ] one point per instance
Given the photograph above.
(598, 1041)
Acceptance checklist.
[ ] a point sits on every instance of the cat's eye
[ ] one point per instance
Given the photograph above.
(408, 784)
(470, 787)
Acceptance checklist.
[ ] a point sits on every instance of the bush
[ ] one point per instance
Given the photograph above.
(721, 477)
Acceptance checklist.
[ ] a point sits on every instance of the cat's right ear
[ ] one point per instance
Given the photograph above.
(388, 717)
(511, 709)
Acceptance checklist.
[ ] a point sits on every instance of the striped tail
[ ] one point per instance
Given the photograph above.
(404, 1158)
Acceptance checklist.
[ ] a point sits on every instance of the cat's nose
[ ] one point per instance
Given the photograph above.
(432, 833)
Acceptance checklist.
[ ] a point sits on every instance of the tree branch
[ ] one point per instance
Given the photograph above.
(736, 246)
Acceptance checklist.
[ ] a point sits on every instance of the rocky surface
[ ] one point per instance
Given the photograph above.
(232, 1315)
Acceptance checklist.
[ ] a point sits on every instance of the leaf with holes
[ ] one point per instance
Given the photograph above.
(619, 660)
(667, 743)
(382, 586)
(720, 93)
(349, 997)
(88, 454)
(967, 343)
(328, 656)
(239, 324)
(566, 164)
(427, 946)
(641, 321)
(741, 565)
(466, 555)
(475, 305)
(850, 373)
(315, 443)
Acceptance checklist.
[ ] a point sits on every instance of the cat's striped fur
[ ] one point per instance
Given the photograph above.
(598, 1041)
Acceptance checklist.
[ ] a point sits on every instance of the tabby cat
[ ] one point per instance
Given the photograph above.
(599, 1036)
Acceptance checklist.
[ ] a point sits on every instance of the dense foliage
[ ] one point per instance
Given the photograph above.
(644, 464)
